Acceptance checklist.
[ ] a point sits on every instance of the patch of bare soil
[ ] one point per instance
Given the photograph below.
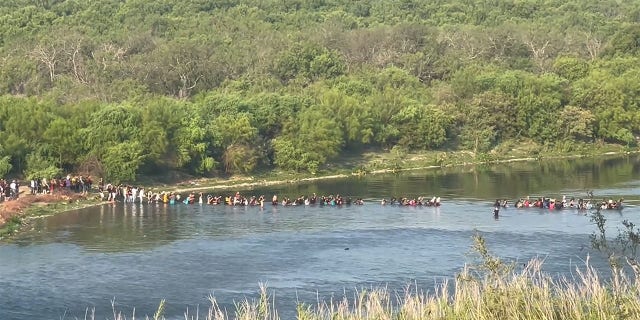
(12, 208)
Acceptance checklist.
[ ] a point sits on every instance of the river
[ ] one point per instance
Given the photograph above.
(136, 255)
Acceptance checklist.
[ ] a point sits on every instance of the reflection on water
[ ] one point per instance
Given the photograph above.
(143, 253)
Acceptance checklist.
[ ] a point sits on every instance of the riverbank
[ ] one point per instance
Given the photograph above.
(382, 163)
(15, 215)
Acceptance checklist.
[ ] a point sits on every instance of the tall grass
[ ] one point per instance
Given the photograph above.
(491, 289)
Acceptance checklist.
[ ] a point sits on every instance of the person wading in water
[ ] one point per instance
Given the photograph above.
(496, 209)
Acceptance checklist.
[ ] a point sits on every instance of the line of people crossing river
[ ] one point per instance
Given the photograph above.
(132, 194)
(563, 203)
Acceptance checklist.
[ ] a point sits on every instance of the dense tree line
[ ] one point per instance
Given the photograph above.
(137, 86)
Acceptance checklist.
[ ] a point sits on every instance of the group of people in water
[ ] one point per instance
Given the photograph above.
(330, 200)
(419, 201)
(133, 194)
(558, 204)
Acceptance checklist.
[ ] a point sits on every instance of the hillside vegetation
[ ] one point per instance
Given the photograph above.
(123, 88)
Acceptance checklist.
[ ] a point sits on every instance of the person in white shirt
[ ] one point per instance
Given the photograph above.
(13, 186)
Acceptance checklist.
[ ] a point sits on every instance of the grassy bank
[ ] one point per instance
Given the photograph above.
(489, 289)
(373, 161)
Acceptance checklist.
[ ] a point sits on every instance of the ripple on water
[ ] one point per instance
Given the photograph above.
(141, 254)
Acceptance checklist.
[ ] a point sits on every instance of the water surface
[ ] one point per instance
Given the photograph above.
(140, 254)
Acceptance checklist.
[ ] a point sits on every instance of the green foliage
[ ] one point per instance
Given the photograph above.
(422, 127)
(619, 249)
(233, 129)
(308, 63)
(122, 161)
(111, 125)
(612, 100)
(355, 119)
(63, 137)
(577, 123)
(289, 156)
(625, 42)
(271, 110)
(309, 141)
(192, 142)
(240, 159)
(40, 166)
(489, 265)
(5, 165)
(571, 68)
(11, 226)
(202, 86)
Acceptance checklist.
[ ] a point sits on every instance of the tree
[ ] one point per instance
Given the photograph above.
(354, 118)
(543, 41)
(271, 110)
(192, 142)
(577, 124)
(235, 134)
(122, 160)
(422, 127)
(111, 125)
(177, 68)
(16, 76)
(63, 137)
(478, 130)
(309, 62)
(612, 100)
(41, 166)
(625, 42)
(239, 158)
(308, 142)
(48, 55)
(539, 100)
(467, 42)
(231, 129)
(571, 68)
(5, 162)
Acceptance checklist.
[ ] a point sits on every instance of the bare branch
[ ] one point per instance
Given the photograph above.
(594, 45)
(48, 56)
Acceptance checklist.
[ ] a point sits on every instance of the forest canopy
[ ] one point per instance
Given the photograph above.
(129, 87)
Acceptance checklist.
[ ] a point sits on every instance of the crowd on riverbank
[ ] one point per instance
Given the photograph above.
(9, 190)
(79, 184)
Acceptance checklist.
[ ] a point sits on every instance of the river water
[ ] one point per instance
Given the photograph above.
(136, 255)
